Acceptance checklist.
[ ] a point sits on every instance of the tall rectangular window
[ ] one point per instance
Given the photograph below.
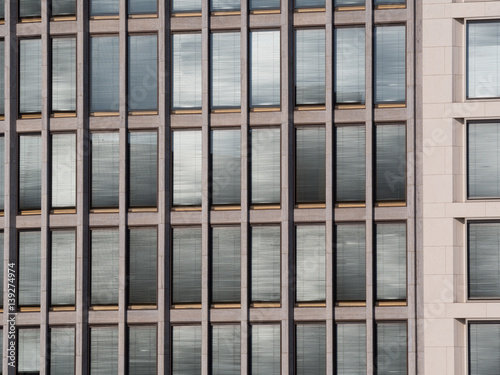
(63, 170)
(224, 5)
(30, 264)
(263, 5)
(30, 76)
(351, 262)
(265, 69)
(390, 64)
(143, 169)
(142, 7)
(266, 264)
(2, 73)
(351, 349)
(186, 6)
(226, 349)
(390, 162)
(350, 65)
(310, 78)
(186, 268)
(30, 8)
(310, 159)
(63, 267)
(104, 8)
(266, 349)
(484, 346)
(226, 70)
(391, 349)
(310, 264)
(28, 351)
(186, 71)
(105, 167)
(226, 269)
(142, 266)
(310, 348)
(187, 168)
(30, 172)
(142, 73)
(104, 350)
(104, 73)
(305, 4)
(64, 74)
(1, 268)
(62, 350)
(226, 167)
(2, 173)
(265, 165)
(62, 8)
(350, 163)
(186, 350)
(142, 350)
(104, 267)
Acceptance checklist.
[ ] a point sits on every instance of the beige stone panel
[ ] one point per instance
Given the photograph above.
(436, 89)
(433, 11)
(434, 210)
(471, 310)
(435, 163)
(437, 32)
(437, 188)
(468, 110)
(492, 8)
(433, 110)
(438, 289)
(464, 10)
(435, 360)
(436, 132)
(493, 309)
(492, 209)
(449, 68)
(434, 61)
(438, 232)
(469, 209)
(439, 332)
(434, 261)
(492, 109)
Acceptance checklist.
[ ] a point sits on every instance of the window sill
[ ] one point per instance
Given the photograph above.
(264, 11)
(266, 207)
(391, 303)
(260, 305)
(109, 17)
(2, 22)
(104, 308)
(29, 309)
(310, 108)
(186, 209)
(226, 13)
(186, 306)
(143, 209)
(143, 307)
(265, 109)
(61, 211)
(226, 208)
(104, 210)
(62, 308)
(2, 117)
(143, 113)
(2, 214)
(30, 20)
(350, 106)
(391, 105)
(142, 16)
(310, 205)
(186, 111)
(63, 114)
(347, 8)
(350, 205)
(310, 304)
(351, 304)
(229, 110)
(390, 6)
(390, 204)
(63, 18)
(310, 10)
(226, 306)
(30, 212)
(187, 14)
(30, 116)
(104, 114)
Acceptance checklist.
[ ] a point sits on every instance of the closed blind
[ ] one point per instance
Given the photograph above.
(1, 349)
(142, 73)
(2, 69)
(186, 6)
(104, 267)
(187, 168)
(143, 265)
(30, 8)
(2, 173)
(226, 167)
(2, 9)
(266, 349)
(29, 279)
(310, 66)
(104, 350)
(63, 170)
(28, 355)
(224, 5)
(142, 350)
(30, 75)
(266, 264)
(63, 254)
(62, 351)
(351, 349)
(1, 269)
(143, 169)
(484, 346)
(348, 3)
(311, 349)
(391, 349)
(264, 4)
(388, 2)
(30, 172)
(186, 350)
(64, 74)
(104, 72)
(350, 155)
(226, 348)
(300, 4)
(63, 7)
(105, 170)
(226, 270)
(142, 6)
(104, 7)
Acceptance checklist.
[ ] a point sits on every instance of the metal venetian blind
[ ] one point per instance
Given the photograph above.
(142, 350)
(186, 350)
(226, 349)
(142, 73)
(63, 7)
(391, 261)
(62, 351)
(310, 263)
(350, 162)
(186, 67)
(1, 272)
(186, 6)
(390, 64)
(265, 70)
(351, 349)
(2, 72)
(310, 76)
(63, 170)
(483, 158)
(28, 355)
(63, 254)
(142, 7)
(311, 349)
(30, 75)
(348, 3)
(105, 170)
(104, 267)
(30, 172)
(104, 350)
(186, 267)
(299, 4)
(224, 5)
(266, 165)
(1, 349)
(143, 265)
(226, 70)
(483, 59)
(350, 64)
(484, 346)
(484, 260)
(63, 74)
(226, 270)
(143, 169)
(187, 168)
(390, 159)
(391, 357)
(264, 4)
(226, 167)
(30, 8)
(29, 283)
(388, 2)
(266, 349)
(310, 161)
(104, 73)
(2, 173)
(266, 264)
(351, 262)
(104, 7)
(2, 9)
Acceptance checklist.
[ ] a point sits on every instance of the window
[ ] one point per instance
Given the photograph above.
(30, 77)
(30, 264)
(224, 5)
(266, 349)
(226, 349)
(104, 8)
(186, 350)
(1, 348)
(142, 350)
(311, 349)
(63, 267)
(265, 162)
(2, 9)
(393, 3)
(484, 346)
(187, 168)
(142, 266)
(30, 9)
(305, 4)
(351, 261)
(390, 64)
(310, 73)
(310, 161)
(350, 65)
(103, 350)
(142, 73)
(265, 264)
(141, 7)
(186, 71)
(30, 172)
(2, 73)
(2, 173)
(226, 167)
(28, 355)
(391, 348)
(351, 348)
(390, 163)
(64, 74)
(143, 169)
(226, 70)
(63, 8)
(105, 167)
(104, 267)
(1, 269)
(264, 5)
(63, 171)
(186, 6)
(226, 269)
(62, 350)
(310, 264)
(265, 69)
(350, 161)
(186, 266)
(339, 4)
(104, 73)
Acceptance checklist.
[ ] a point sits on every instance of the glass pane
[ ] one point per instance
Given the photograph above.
(30, 8)
(264, 4)
(142, 73)
(1, 269)
(187, 168)
(2, 9)
(104, 7)
(104, 267)
(64, 75)
(391, 349)
(143, 265)
(266, 264)
(62, 351)
(351, 261)
(28, 356)
(350, 142)
(30, 264)
(63, 170)
(300, 4)
(348, 3)
(224, 5)
(30, 172)
(186, 6)
(63, 268)
(389, 2)
(226, 167)
(484, 342)
(104, 350)
(30, 76)
(104, 74)
(310, 263)
(311, 349)
(143, 169)
(351, 349)
(142, 6)
(310, 67)
(226, 347)
(2, 73)
(226, 269)
(2, 173)
(142, 350)
(266, 349)
(310, 161)
(63, 7)
(186, 350)
(105, 170)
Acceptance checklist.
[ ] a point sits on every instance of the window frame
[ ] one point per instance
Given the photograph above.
(50, 168)
(49, 270)
(27, 115)
(49, 335)
(375, 342)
